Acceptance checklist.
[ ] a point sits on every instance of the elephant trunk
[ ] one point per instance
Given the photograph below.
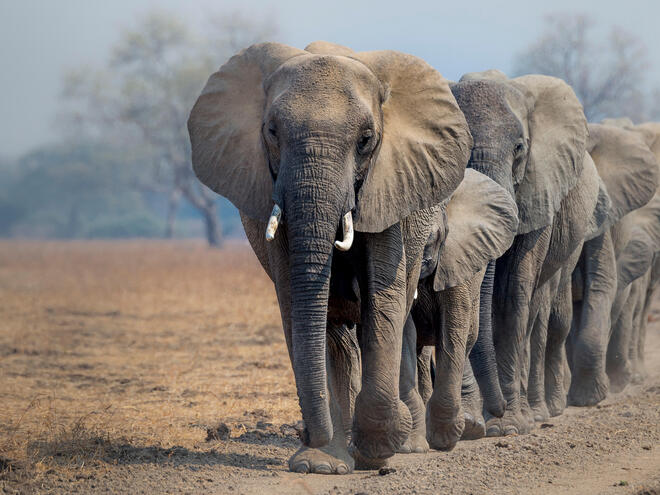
(482, 356)
(313, 207)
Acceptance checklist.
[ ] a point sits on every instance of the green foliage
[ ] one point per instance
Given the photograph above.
(76, 190)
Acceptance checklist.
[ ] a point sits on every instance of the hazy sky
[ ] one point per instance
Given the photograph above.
(40, 39)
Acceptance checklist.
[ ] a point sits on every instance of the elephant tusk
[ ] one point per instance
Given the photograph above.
(347, 223)
(415, 296)
(273, 222)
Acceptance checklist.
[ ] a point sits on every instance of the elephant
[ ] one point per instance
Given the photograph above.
(337, 161)
(477, 226)
(530, 136)
(630, 175)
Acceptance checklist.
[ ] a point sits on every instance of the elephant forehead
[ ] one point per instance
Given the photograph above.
(490, 104)
(333, 84)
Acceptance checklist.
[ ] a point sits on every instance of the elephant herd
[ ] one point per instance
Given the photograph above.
(399, 213)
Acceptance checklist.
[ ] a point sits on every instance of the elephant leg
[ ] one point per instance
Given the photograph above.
(425, 373)
(641, 339)
(589, 383)
(444, 416)
(538, 345)
(516, 276)
(334, 457)
(382, 422)
(618, 365)
(634, 356)
(416, 442)
(471, 403)
(557, 371)
(343, 371)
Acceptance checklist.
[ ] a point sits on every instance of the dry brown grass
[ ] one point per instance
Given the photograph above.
(104, 344)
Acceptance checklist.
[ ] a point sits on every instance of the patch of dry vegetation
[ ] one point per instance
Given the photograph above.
(105, 345)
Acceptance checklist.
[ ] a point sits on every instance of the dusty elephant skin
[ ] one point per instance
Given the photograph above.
(313, 136)
(636, 239)
(629, 174)
(509, 120)
(479, 224)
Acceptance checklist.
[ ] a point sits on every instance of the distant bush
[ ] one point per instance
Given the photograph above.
(138, 224)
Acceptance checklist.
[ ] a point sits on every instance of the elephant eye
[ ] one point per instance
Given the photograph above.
(365, 143)
(272, 130)
(518, 149)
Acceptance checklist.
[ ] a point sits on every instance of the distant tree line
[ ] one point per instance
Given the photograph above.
(122, 167)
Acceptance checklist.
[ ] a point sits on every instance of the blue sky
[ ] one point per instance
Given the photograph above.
(41, 39)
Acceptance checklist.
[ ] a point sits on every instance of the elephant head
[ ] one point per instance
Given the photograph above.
(529, 136)
(305, 138)
(627, 168)
(481, 222)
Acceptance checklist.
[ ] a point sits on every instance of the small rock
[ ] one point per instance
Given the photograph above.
(502, 444)
(571, 445)
(220, 432)
(386, 470)
(646, 447)
(621, 483)
(547, 425)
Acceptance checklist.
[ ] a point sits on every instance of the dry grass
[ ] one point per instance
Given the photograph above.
(146, 344)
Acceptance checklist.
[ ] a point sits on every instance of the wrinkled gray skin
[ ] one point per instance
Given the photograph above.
(636, 241)
(479, 224)
(556, 190)
(629, 174)
(637, 277)
(321, 132)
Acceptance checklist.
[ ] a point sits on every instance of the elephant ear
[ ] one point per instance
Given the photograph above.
(639, 254)
(482, 220)
(651, 133)
(425, 143)
(557, 136)
(626, 166)
(228, 154)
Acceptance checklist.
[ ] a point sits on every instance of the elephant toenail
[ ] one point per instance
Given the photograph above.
(301, 467)
(510, 430)
(323, 468)
(493, 431)
(342, 469)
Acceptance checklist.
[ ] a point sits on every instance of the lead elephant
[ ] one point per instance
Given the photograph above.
(478, 225)
(529, 136)
(298, 140)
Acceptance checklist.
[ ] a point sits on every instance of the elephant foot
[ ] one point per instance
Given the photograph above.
(443, 435)
(363, 463)
(377, 438)
(527, 413)
(588, 390)
(556, 404)
(331, 459)
(637, 378)
(416, 444)
(540, 411)
(475, 427)
(512, 423)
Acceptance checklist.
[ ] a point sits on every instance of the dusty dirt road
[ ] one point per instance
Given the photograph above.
(116, 359)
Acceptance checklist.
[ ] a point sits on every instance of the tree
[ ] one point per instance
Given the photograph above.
(143, 97)
(607, 75)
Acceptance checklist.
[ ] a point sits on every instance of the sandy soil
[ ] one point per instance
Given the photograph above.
(147, 367)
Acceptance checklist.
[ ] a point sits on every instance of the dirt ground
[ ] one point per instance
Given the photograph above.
(152, 367)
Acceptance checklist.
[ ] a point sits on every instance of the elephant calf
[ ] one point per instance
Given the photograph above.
(478, 225)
